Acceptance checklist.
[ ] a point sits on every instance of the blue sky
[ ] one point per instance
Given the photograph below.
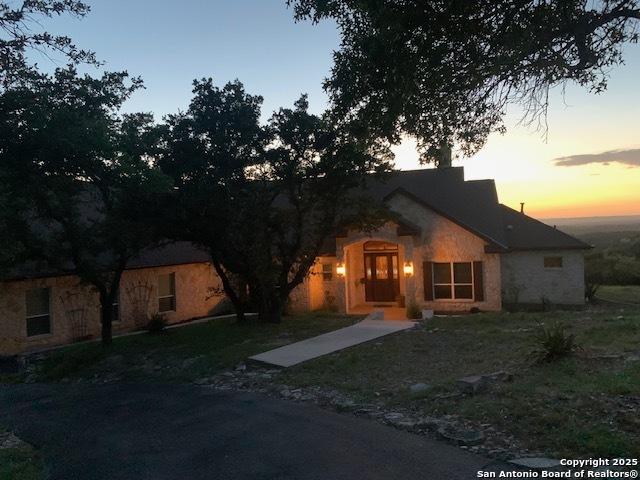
(170, 43)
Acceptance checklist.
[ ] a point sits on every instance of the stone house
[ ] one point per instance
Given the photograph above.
(452, 247)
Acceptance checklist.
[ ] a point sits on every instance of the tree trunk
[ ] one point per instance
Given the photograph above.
(106, 316)
(270, 309)
(236, 301)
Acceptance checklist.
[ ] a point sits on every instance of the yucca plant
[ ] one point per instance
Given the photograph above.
(553, 343)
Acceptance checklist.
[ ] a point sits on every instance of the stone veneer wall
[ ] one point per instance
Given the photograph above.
(525, 280)
(324, 294)
(444, 241)
(196, 295)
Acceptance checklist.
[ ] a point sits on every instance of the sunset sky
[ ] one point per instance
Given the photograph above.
(588, 166)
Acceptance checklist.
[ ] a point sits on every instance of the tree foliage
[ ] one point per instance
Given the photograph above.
(445, 71)
(79, 177)
(21, 33)
(263, 199)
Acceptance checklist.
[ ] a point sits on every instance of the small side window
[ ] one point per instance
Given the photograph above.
(327, 272)
(552, 262)
(167, 293)
(38, 315)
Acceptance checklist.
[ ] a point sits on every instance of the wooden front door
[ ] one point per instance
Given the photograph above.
(382, 283)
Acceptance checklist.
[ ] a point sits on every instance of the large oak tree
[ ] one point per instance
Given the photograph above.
(444, 71)
(78, 177)
(263, 199)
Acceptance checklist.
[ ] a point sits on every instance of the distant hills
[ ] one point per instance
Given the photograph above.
(585, 225)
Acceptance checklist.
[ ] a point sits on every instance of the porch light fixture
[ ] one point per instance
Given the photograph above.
(408, 269)
(341, 270)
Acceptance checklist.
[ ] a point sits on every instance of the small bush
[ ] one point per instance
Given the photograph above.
(553, 343)
(413, 312)
(156, 324)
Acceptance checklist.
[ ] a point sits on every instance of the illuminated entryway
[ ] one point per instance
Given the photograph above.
(376, 275)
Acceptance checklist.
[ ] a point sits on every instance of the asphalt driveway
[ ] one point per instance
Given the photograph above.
(188, 432)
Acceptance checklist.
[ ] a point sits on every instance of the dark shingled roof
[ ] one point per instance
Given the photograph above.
(526, 233)
(176, 253)
(474, 205)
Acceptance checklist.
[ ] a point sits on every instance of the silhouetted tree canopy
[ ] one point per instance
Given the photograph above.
(21, 33)
(263, 199)
(77, 179)
(445, 71)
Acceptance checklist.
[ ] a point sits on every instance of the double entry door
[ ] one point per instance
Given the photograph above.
(381, 280)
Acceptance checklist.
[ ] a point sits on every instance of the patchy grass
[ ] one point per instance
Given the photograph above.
(183, 354)
(620, 293)
(21, 463)
(586, 404)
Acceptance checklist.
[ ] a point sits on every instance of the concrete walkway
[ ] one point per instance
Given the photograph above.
(331, 342)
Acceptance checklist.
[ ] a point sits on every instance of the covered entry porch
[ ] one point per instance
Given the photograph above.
(378, 275)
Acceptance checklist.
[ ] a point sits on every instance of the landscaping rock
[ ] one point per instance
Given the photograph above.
(241, 367)
(477, 383)
(406, 424)
(394, 417)
(430, 423)
(345, 405)
(419, 390)
(500, 376)
(472, 384)
(460, 435)
(427, 314)
(536, 463)
(9, 440)
(376, 315)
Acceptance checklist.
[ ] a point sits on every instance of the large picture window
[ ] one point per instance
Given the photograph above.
(38, 315)
(453, 281)
(167, 293)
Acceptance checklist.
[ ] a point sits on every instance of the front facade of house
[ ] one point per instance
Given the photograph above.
(451, 248)
(451, 255)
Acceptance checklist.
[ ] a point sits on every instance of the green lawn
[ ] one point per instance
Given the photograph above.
(620, 293)
(183, 354)
(579, 406)
(22, 463)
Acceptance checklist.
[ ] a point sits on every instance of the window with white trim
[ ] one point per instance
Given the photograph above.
(167, 293)
(327, 272)
(453, 281)
(38, 312)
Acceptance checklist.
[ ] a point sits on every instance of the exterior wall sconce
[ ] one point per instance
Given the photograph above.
(341, 270)
(408, 269)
